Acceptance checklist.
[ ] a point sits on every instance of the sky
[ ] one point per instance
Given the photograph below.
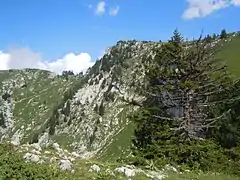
(62, 35)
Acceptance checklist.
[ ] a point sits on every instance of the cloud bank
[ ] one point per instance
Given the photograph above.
(203, 8)
(25, 58)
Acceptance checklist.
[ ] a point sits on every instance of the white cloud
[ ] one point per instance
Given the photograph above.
(203, 8)
(25, 58)
(236, 2)
(114, 11)
(4, 58)
(101, 8)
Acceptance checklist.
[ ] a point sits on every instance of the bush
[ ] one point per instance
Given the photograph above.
(13, 166)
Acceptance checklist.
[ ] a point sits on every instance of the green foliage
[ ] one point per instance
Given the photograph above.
(54, 118)
(12, 166)
(215, 36)
(200, 176)
(67, 74)
(95, 69)
(156, 141)
(230, 53)
(190, 116)
(177, 38)
(208, 38)
(227, 132)
(223, 34)
(53, 121)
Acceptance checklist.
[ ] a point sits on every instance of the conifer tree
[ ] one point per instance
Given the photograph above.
(177, 38)
(223, 34)
(183, 93)
(214, 36)
(208, 38)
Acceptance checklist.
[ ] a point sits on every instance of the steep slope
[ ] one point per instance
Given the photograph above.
(27, 100)
(39, 107)
(98, 112)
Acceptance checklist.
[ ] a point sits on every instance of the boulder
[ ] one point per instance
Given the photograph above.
(31, 157)
(65, 165)
(95, 168)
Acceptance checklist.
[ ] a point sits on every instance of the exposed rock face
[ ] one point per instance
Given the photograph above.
(98, 111)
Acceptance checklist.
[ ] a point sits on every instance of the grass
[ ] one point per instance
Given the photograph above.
(34, 103)
(231, 54)
(120, 146)
(200, 176)
(120, 143)
(12, 166)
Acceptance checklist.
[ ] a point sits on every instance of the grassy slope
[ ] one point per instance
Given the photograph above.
(120, 146)
(231, 54)
(35, 102)
(120, 143)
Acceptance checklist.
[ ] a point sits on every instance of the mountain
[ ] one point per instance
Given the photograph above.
(85, 114)
(90, 118)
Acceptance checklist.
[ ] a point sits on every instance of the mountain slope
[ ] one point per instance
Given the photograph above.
(98, 110)
(231, 53)
(28, 98)
(89, 118)
(88, 115)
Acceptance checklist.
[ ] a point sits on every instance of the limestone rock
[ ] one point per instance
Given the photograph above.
(65, 165)
(95, 168)
(31, 157)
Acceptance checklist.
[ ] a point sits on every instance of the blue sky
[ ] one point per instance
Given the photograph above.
(54, 28)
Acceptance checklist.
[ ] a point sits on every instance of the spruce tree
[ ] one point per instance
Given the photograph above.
(215, 36)
(208, 38)
(223, 34)
(183, 93)
(177, 38)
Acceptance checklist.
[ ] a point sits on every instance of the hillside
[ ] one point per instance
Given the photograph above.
(230, 52)
(83, 117)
